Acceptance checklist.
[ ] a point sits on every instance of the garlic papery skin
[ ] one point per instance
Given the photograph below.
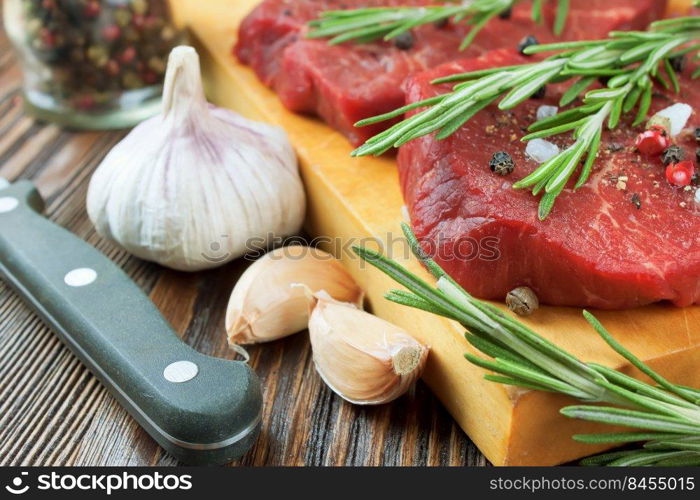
(267, 302)
(191, 187)
(362, 358)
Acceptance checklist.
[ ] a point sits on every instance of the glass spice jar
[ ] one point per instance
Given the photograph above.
(92, 64)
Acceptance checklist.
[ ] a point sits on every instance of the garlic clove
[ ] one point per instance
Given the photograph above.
(362, 358)
(264, 306)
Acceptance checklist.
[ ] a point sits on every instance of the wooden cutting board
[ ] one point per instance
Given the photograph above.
(355, 200)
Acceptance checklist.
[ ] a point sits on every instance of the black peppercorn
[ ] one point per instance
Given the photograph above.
(697, 134)
(636, 201)
(502, 163)
(673, 154)
(527, 42)
(404, 41)
(441, 23)
(541, 93)
(677, 63)
(506, 13)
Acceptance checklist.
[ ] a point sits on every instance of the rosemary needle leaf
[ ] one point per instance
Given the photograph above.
(408, 299)
(575, 90)
(641, 387)
(400, 111)
(675, 21)
(551, 47)
(603, 95)
(673, 445)
(648, 458)
(500, 379)
(631, 418)
(557, 183)
(479, 24)
(661, 80)
(632, 99)
(565, 127)
(672, 76)
(687, 459)
(473, 75)
(546, 205)
(537, 189)
(644, 105)
(615, 113)
(564, 117)
(560, 19)
(691, 394)
(637, 53)
(621, 437)
(537, 10)
(604, 458)
(636, 362)
(590, 160)
(542, 174)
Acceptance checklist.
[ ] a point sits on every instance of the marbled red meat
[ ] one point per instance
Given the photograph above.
(344, 84)
(625, 239)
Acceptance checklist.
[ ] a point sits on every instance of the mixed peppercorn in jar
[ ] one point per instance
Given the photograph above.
(90, 63)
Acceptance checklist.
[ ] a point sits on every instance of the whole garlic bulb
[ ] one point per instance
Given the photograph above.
(362, 358)
(190, 187)
(265, 306)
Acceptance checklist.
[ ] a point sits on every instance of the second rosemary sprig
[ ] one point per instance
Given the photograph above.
(666, 415)
(632, 62)
(387, 23)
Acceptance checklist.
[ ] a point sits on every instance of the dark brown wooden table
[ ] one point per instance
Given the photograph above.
(54, 412)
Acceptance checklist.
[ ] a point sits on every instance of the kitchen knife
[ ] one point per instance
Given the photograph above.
(201, 409)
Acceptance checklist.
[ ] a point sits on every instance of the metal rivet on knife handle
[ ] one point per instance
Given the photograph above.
(8, 204)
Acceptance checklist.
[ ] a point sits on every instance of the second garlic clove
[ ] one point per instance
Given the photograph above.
(362, 358)
(265, 306)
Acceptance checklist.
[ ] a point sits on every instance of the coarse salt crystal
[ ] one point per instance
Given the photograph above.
(546, 112)
(697, 196)
(541, 150)
(679, 114)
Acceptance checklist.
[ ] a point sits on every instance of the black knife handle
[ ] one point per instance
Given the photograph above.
(201, 409)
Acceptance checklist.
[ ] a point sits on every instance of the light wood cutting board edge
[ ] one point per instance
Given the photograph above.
(360, 197)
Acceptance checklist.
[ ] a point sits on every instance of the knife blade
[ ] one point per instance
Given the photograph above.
(203, 410)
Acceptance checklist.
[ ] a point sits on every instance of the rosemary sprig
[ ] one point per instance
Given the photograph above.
(386, 23)
(632, 61)
(667, 415)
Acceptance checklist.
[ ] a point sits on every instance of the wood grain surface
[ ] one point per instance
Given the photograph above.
(54, 412)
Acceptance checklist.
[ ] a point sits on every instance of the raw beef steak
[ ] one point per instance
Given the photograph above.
(344, 84)
(625, 239)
